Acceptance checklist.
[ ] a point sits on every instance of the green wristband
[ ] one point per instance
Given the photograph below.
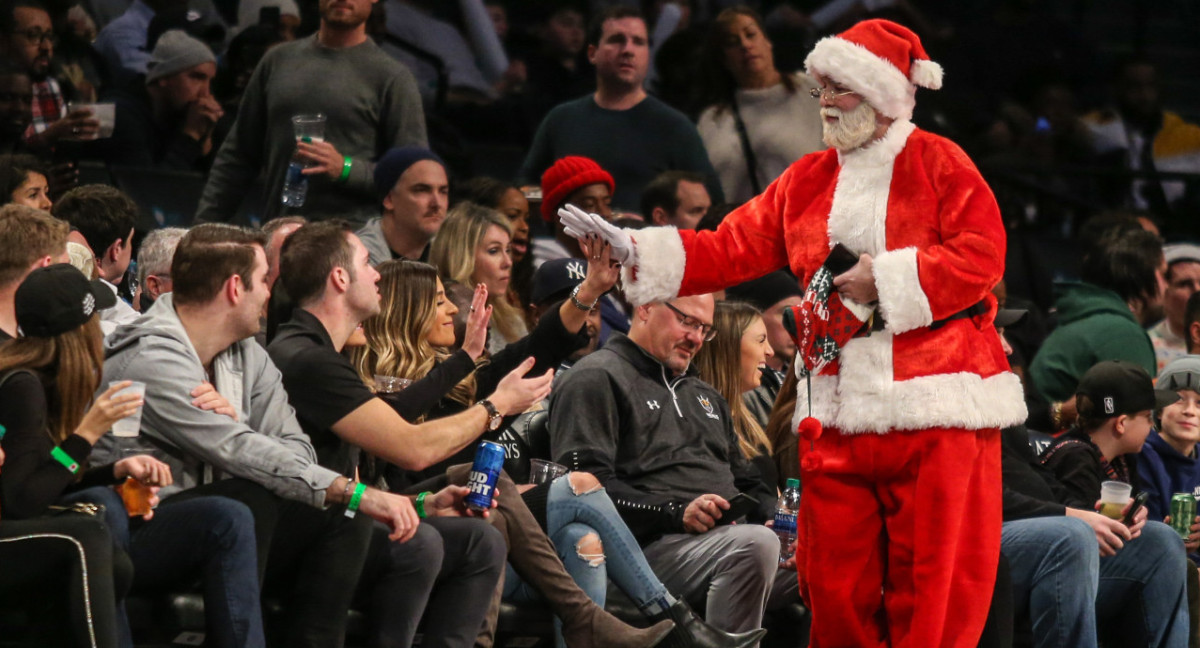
(355, 499)
(421, 505)
(345, 169)
(65, 459)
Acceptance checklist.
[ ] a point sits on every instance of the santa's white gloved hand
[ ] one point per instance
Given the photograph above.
(578, 224)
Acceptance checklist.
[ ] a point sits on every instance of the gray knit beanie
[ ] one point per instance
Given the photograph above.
(175, 52)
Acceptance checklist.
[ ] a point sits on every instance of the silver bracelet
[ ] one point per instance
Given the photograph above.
(580, 305)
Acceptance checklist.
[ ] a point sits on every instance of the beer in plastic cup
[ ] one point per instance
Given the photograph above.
(1114, 496)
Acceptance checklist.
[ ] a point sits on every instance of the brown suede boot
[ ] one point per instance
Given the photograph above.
(585, 624)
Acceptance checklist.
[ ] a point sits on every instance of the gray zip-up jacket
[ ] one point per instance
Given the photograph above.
(654, 440)
(265, 445)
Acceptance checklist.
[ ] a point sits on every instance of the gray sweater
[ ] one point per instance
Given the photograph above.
(265, 445)
(370, 102)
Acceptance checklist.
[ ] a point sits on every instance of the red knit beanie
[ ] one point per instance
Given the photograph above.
(567, 175)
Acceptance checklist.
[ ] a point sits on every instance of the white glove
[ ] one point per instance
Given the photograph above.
(579, 224)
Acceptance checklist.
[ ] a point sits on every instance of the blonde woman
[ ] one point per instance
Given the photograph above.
(474, 246)
(731, 362)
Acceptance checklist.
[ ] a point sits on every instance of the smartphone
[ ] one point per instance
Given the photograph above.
(1138, 502)
(739, 506)
(840, 259)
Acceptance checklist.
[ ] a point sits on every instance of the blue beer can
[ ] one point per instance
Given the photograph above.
(489, 461)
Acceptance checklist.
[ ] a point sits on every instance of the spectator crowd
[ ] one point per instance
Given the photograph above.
(318, 252)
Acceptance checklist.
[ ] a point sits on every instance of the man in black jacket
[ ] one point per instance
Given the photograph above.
(662, 442)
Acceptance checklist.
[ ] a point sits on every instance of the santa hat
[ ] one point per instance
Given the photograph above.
(880, 60)
(565, 176)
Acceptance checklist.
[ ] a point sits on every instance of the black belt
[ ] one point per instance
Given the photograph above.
(974, 310)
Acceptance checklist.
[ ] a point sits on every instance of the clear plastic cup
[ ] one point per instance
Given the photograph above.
(1114, 496)
(129, 426)
(542, 471)
(105, 113)
(310, 126)
(390, 384)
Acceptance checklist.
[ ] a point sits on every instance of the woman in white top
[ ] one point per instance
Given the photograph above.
(780, 121)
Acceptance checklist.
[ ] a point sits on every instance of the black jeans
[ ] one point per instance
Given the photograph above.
(65, 562)
(309, 557)
(447, 571)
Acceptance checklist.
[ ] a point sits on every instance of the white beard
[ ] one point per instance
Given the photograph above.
(852, 128)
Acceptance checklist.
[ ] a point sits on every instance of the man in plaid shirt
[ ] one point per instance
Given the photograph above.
(28, 40)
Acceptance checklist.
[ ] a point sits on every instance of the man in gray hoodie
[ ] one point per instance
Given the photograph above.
(202, 332)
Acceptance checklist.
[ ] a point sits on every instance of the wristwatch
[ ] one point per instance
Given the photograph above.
(587, 308)
(494, 418)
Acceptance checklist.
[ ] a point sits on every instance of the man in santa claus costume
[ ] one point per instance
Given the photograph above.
(901, 512)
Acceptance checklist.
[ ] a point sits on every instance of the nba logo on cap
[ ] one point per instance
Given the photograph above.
(1108, 406)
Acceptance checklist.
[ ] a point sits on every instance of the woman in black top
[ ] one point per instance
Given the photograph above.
(413, 337)
(52, 421)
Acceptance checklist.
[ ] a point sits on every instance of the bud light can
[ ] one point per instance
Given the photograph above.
(489, 460)
(1183, 511)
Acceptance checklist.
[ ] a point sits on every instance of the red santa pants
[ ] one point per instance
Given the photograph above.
(900, 536)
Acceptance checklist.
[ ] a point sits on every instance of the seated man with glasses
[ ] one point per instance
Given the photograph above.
(27, 41)
(661, 441)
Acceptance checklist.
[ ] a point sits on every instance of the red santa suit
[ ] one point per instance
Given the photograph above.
(901, 510)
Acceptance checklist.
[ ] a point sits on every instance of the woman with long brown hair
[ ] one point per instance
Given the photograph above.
(756, 120)
(54, 409)
(730, 362)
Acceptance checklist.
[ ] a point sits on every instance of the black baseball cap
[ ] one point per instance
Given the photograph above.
(58, 298)
(1117, 387)
(555, 279)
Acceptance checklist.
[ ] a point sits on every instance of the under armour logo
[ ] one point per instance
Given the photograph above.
(1108, 406)
(652, 405)
(575, 271)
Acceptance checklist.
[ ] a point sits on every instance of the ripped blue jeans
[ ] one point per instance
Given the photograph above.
(573, 522)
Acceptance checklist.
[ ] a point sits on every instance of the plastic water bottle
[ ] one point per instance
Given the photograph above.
(295, 185)
(785, 518)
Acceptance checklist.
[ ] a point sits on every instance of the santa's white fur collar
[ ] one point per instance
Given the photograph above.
(881, 151)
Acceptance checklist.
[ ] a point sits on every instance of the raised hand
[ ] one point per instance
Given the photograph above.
(602, 272)
(475, 336)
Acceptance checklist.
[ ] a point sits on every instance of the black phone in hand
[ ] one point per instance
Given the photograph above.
(1138, 502)
(740, 506)
(840, 259)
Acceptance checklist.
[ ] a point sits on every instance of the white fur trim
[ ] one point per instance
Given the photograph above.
(659, 264)
(861, 311)
(864, 397)
(858, 68)
(926, 74)
(858, 213)
(901, 299)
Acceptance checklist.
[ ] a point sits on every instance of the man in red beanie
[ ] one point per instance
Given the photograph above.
(572, 180)
(900, 520)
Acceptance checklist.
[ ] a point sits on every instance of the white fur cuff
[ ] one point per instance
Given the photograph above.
(659, 261)
(901, 298)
